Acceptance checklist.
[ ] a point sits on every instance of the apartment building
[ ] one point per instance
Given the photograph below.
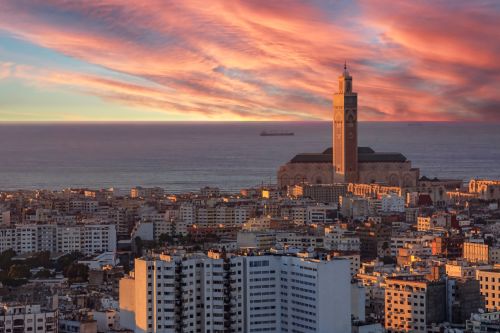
(412, 304)
(340, 239)
(489, 283)
(86, 238)
(19, 318)
(436, 221)
(298, 240)
(327, 193)
(217, 293)
(476, 252)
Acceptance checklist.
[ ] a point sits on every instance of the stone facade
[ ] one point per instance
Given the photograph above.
(310, 173)
(399, 174)
(382, 168)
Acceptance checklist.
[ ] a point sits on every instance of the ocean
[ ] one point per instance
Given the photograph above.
(187, 156)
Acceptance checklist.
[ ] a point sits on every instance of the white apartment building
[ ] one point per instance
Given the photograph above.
(27, 319)
(393, 203)
(69, 239)
(210, 215)
(212, 294)
(340, 239)
(83, 206)
(98, 238)
(86, 238)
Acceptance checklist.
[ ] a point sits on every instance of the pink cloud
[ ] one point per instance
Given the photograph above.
(263, 60)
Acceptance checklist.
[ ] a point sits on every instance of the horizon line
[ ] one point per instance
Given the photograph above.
(90, 122)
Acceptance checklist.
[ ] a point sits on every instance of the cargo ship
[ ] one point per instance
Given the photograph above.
(274, 133)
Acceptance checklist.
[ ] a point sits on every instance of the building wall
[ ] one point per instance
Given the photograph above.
(299, 173)
(27, 318)
(391, 173)
(400, 174)
(412, 305)
(476, 252)
(127, 303)
(489, 282)
(243, 294)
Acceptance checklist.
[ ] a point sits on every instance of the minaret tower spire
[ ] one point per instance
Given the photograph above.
(345, 130)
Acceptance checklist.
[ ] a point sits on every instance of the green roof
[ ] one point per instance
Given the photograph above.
(365, 155)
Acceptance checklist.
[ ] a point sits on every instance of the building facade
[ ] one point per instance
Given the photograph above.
(412, 305)
(18, 318)
(489, 282)
(85, 238)
(236, 293)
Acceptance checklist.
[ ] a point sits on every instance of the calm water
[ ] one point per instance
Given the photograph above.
(187, 156)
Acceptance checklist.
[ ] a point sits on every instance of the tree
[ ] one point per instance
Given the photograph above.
(166, 238)
(77, 272)
(67, 259)
(6, 259)
(19, 272)
(39, 259)
(139, 244)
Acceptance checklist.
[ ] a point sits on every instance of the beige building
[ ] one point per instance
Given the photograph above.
(326, 193)
(436, 221)
(346, 162)
(489, 281)
(412, 304)
(373, 190)
(476, 252)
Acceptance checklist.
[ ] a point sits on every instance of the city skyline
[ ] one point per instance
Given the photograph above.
(190, 61)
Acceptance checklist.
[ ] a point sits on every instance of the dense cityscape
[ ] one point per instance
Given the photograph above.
(347, 240)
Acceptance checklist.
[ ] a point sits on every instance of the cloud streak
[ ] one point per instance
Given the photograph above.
(265, 60)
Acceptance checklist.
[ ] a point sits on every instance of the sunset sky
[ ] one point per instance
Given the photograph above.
(160, 60)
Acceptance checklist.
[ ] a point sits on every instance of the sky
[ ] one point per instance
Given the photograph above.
(248, 60)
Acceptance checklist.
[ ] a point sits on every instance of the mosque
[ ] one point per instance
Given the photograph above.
(346, 162)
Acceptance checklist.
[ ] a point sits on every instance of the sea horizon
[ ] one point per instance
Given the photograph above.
(185, 156)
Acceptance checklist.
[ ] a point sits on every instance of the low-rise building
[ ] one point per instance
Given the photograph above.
(19, 318)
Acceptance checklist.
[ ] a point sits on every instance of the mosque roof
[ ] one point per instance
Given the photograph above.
(365, 155)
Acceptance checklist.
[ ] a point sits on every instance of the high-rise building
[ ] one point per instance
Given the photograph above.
(345, 130)
(214, 293)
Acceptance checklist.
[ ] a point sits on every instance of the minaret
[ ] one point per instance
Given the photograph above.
(345, 130)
